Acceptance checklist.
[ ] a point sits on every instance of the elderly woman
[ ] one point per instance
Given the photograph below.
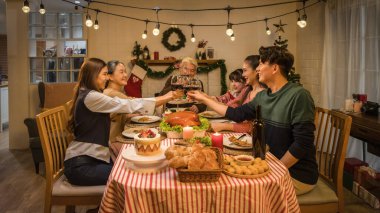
(188, 66)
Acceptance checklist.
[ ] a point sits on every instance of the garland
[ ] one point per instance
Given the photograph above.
(206, 69)
(179, 44)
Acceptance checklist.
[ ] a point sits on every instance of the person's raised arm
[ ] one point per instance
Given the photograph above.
(204, 98)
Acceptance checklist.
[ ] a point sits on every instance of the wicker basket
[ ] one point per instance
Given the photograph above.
(200, 175)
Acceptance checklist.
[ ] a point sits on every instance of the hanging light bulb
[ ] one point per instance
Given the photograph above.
(299, 22)
(193, 38)
(229, 30)
(192, 34)
(26, 8)
(42, 8)
(303, 22)
(267, 30)
(145, 34)
(156, 30)
(232, 37)
(96, 25)
(88, 20)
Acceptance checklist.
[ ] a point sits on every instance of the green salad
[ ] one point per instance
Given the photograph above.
(165, 127)
(204, 140)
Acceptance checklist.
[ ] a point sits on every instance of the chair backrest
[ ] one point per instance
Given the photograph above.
(52, 127)
(55, 94)
(331, 138)
(32, 127)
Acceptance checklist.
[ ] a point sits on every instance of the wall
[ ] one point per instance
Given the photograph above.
(310, 51)
(116, 36)
(18, 78)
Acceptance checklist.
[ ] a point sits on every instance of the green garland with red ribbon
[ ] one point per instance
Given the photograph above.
(204, 69)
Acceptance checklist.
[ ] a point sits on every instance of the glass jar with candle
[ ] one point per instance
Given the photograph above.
(188, 133)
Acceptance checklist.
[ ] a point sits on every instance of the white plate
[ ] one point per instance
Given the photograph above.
(129, 154)
(149, 119)
(131, 132)
(210, 114)
(153, 169)
(221, 121)
(227, 142)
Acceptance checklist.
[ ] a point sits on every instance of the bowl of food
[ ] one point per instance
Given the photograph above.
(244, 160)
(147, 143)
(173, 124)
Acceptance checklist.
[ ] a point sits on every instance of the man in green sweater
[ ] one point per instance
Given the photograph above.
(288, 114)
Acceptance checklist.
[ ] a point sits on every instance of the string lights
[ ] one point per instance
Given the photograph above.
(301, 22)
(145, 34)
(156, 30)
(25, 7)
(42, 8)
(267, 30)
(96, 25)
(88, 17)
(229, 30)
(192, 34)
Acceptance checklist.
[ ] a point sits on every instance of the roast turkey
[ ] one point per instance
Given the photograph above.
(185, 118)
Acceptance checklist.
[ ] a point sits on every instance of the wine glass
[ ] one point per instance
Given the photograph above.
(177, 83)
(193, 84)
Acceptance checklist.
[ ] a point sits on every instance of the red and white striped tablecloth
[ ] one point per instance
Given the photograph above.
(129, 191)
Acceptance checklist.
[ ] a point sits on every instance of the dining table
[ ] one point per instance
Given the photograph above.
(128, 190)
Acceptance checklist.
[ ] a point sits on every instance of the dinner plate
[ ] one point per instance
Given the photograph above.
(131, 132)
(227, 142)
(130, 155)
(152, 169)
(145, 119)
(210, 114)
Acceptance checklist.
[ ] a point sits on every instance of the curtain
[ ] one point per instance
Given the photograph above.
(351, 58)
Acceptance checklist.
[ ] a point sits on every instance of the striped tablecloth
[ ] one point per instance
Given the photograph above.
(129, 191)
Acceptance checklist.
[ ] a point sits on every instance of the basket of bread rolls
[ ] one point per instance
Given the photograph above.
(196, 163)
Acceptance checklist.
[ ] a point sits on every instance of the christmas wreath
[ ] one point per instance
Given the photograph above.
(179, 44)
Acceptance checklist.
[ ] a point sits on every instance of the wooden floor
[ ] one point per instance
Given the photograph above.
(22, 190)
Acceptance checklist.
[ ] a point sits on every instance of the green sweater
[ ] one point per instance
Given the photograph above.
(288, 117)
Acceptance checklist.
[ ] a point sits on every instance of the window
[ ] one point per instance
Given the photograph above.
(57, 47)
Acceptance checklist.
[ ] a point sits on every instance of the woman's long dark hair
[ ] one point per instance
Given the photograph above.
(253, 61)
(88, 74)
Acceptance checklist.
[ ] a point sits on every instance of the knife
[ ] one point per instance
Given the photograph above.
(241, 136)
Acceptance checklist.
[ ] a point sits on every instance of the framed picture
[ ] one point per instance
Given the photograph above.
(210, 53)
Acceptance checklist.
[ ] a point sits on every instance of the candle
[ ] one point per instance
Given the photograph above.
(188, 132)
(217, 140)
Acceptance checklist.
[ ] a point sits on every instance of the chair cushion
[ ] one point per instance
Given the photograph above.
(322, 193)
(62, 187)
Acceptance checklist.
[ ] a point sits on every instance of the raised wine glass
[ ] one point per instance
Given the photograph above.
(177, 83)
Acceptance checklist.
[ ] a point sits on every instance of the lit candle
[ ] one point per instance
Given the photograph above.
(217, 140)
(188, 132)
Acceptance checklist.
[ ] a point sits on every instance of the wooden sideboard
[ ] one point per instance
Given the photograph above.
(366, 128)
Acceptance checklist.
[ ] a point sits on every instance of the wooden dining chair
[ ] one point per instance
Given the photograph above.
(52, 127)
(331, 138)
